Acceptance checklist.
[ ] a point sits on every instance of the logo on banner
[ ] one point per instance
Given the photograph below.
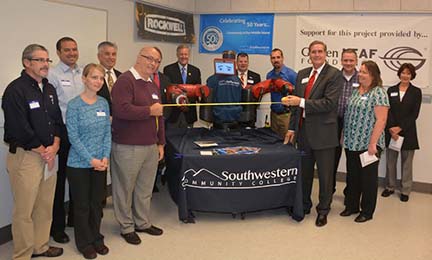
(395, 57)
(206, 179)
(165, 25)
(212, 38)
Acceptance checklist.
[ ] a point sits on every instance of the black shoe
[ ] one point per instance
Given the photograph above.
(132, 238)
(306, 211)
(101, 249)
(348, 212)
(387, 192)
(321, 220)
(60, 237)
(89, 253)
(404, 197)
(154, 231)
(51, 252)
(362, 218)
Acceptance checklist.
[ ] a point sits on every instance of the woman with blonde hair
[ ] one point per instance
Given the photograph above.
(89, 131)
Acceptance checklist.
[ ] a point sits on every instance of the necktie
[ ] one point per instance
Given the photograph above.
(183, 74)
(307, 93)
(156, 79)
(110, 81)
(242, 79)
(310, 85)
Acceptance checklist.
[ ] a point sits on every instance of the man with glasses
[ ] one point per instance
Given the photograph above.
(66, 79)
(138, 145)
(32, 130)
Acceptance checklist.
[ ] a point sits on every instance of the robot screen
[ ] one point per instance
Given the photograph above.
(224, 67)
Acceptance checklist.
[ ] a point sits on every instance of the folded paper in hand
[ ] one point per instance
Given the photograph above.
(396, 145)
(367, 159)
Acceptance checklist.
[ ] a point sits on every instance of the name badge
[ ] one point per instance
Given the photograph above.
(305, 80)
(100, 113)
(364, 98)
(394, 94)
(250, 81)
(154, 96)
(65, 83)
(34, 105)
(356, 85)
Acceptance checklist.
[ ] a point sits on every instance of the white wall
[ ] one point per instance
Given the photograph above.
(284, 33)
(120, 29)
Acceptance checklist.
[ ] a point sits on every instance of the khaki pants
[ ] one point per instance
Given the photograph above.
(33, 200)
(133, 170)
(279, 123)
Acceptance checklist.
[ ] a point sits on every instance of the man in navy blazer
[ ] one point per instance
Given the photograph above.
(314, 122)
(107, 56)
(181, 72)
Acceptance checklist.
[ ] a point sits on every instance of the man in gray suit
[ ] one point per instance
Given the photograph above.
(314, 123)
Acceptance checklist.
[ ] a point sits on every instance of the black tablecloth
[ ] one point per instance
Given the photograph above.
(232, 183)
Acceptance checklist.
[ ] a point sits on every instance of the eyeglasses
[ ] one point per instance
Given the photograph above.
(151, 59)
(41, 60)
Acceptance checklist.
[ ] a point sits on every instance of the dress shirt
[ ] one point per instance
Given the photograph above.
(286, 74)
(302, 101)
(349, 84)
(67, 82)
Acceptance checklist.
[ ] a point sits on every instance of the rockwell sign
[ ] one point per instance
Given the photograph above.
(164, 25)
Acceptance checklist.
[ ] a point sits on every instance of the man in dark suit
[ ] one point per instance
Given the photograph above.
(247, 77)
(107, 56)
(314, 121)
(181, 72)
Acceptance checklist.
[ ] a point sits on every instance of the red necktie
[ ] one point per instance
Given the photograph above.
(310, 85)
(156, 79)
(307, 93)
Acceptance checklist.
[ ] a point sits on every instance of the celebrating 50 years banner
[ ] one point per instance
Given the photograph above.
(250, 33)
(388, 40)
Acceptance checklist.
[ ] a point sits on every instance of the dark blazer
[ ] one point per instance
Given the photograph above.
(320, 108)
(172, 71)
(104, 91)
(404, 114)
(164, 83)
(253, 78)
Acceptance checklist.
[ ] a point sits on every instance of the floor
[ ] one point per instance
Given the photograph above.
(398, 231)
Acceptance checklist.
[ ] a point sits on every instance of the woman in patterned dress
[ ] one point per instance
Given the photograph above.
(365, 120)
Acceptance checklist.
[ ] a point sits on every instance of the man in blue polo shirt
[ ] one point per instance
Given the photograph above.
(279, 116)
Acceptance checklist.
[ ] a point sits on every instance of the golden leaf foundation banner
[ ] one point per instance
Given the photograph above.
(158, 24)
(389, 40)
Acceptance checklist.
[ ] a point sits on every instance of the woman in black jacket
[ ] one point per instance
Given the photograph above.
(405, 101)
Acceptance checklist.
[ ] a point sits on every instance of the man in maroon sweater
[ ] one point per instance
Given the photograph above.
(138, 139)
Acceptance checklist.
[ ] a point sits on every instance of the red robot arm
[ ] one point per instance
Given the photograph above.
(281, 85)
(259, 89)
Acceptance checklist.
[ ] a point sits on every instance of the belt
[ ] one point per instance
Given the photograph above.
(281, 113)
(13, 148)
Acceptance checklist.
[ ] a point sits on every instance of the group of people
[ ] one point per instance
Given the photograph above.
(85, 120)
(328, 102)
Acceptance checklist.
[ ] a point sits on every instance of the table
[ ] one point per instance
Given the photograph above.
(232, 183)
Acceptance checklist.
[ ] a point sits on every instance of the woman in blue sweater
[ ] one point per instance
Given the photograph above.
(89, 131)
